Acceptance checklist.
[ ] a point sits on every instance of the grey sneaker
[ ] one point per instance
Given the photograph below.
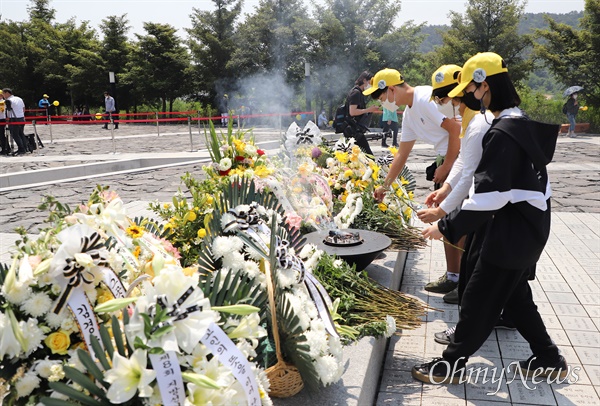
(444, 336)
(442, 285)
(452, 296)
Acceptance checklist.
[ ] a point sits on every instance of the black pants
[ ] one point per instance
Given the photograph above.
(487, 290)
(110, 116)
(359, 139)
(394, 127)
(4, 145)
(17, 132)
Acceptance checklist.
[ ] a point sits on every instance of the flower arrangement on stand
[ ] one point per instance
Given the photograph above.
(97, 310)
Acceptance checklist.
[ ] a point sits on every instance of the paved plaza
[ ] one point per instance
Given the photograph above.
(566, 290)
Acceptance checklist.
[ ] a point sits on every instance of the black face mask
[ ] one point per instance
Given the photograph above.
(471, 102)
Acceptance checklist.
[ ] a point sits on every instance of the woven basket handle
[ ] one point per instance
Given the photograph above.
(274, 326)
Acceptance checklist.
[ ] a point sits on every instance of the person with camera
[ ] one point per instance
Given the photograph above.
(15, 109)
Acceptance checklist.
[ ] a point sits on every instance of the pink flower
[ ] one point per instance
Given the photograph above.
(293, 220)
(316, 152)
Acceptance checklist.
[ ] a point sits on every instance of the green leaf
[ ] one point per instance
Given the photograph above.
(118, 336)
(85, 382)
(74, 394)
(56, 402)
(99, 351)
(91, 366)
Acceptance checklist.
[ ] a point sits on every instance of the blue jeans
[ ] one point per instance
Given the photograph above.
(571, 118)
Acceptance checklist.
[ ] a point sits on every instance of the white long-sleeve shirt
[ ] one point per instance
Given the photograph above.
(460, 178)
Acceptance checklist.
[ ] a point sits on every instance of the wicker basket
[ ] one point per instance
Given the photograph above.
(285, 378)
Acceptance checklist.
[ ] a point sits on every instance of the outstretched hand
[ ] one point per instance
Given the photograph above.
(432, 233)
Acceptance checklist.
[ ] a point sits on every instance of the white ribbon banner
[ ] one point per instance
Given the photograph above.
(168, 376)
(86, 318)
(229, 355)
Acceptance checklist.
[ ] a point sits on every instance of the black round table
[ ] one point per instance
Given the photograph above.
(360, 255)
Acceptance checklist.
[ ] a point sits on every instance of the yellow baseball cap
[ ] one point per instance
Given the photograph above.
(384, 78)
(445, 78)
(46, 96)
(477, 68)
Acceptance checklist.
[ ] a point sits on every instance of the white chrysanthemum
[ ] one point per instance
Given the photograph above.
(316, 342)
(233, 260)
(223, 245)
(335, 347)
(27, 384)
(57, 373)
(251, 268)
(338, 263)
(390, 326)
(18, 294)
(33, 335)
(54, 320)
(328, 369)
(68, 324)
(37, 304)
(311, 310)
(43, 368)
(286, 277)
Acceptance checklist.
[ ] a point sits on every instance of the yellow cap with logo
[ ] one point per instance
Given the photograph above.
(384, 78)
(445, 75)
(477, 68)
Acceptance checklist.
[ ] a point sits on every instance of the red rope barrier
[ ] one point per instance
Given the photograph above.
(92, 118)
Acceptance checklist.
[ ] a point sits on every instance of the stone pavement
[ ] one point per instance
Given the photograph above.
(566, 290)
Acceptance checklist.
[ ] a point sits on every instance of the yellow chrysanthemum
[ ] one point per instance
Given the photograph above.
(134, 231)
(137, 251)
(167, 205)
(209, 199)
(403, 181)
(393, 150)
(408, 212)
(355, 150)
(344, 196)
(240, 145)
(341, 156)
(262, 171)
(348, 173)
(382, 207)
(411, 195)
(202, 233)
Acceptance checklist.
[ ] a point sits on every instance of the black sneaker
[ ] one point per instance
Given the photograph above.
(538, 368)
(442, 285)
(452, 296)
(384, 145)
(438, 371)
(503, 324)
(444, 336)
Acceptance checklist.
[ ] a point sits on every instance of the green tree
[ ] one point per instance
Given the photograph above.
(41, 10)
(212, 44)
(487, 26)
(273, 39)
(573, 55)
(115, 53)
(159, 67)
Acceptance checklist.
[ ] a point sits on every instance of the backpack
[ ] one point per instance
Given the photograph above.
(564, 110)
(340, 121)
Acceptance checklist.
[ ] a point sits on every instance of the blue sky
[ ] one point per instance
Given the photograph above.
(176, 12)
